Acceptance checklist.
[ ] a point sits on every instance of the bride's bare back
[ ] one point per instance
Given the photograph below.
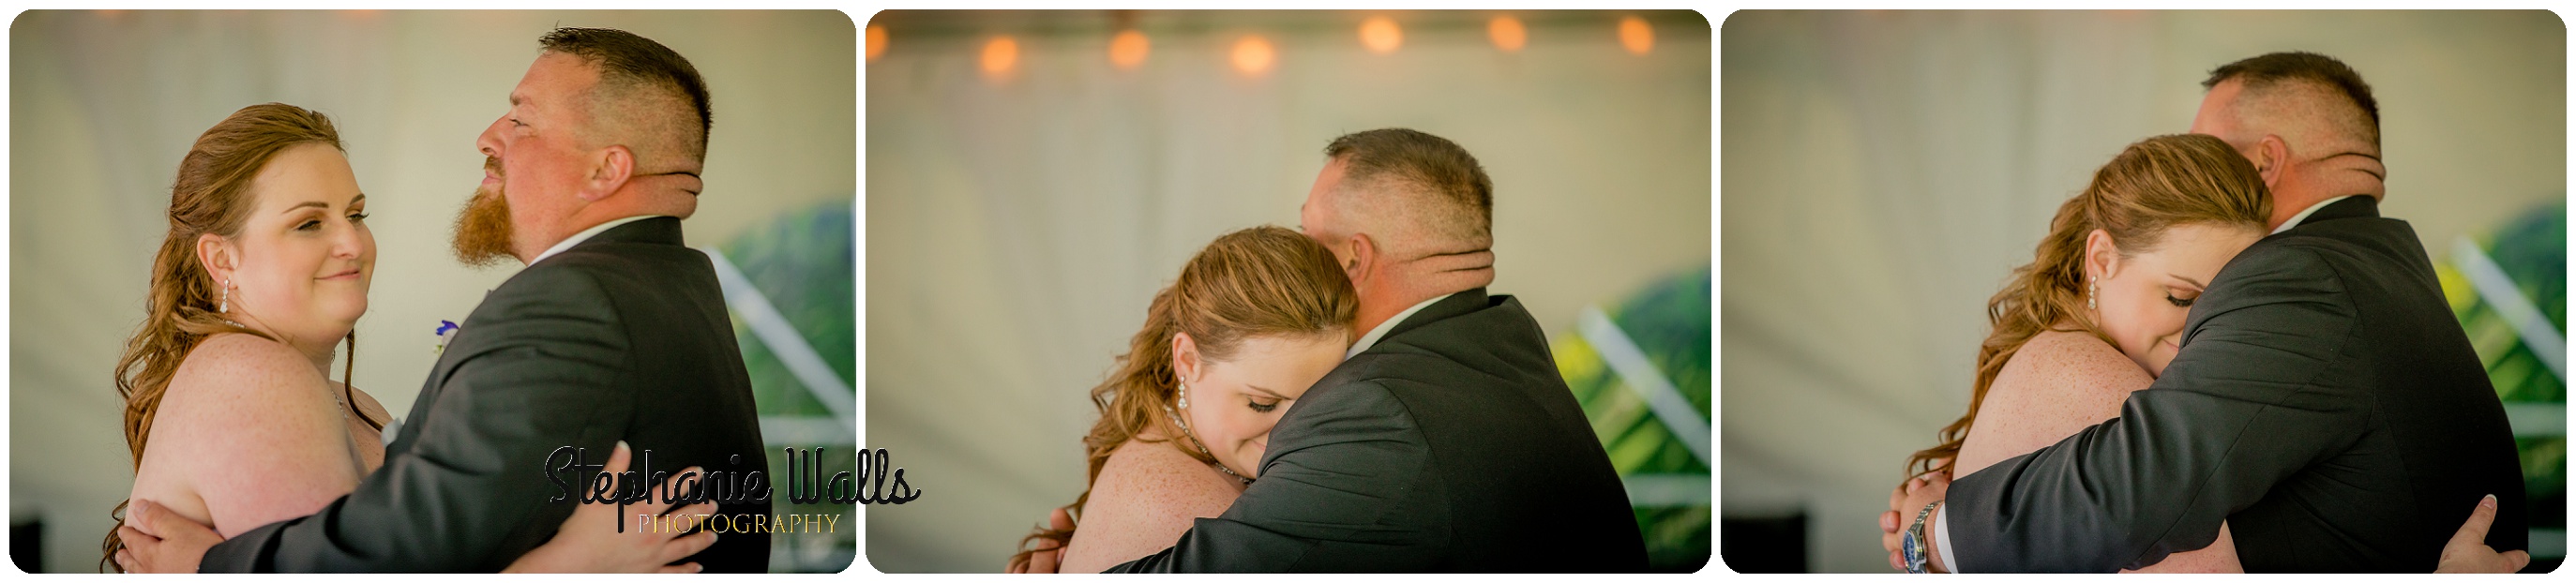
(2058, 384)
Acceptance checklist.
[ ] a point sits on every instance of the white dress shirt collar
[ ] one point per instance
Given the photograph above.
(585, 235)
(1382, 327)
(2303, 213)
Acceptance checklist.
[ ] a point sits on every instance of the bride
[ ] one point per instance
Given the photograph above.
(230, 412)
(2100, 311)
(1255, 318)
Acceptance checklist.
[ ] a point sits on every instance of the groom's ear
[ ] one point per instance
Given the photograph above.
(1363, 259)
(2270, 156)
(609, 170)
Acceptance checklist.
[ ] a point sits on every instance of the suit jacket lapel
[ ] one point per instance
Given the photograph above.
(656, 230)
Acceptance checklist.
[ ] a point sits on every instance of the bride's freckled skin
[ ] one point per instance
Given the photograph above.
(2146, 296)
(1234, 402)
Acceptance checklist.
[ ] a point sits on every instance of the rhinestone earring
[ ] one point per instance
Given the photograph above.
(1184, 392)
(2092, 289)
(225, 305)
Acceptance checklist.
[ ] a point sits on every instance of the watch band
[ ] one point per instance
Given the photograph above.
(1917, 560)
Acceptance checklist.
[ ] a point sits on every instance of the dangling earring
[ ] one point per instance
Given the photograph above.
(225, 305)
(2091, 289)
(1184, 393)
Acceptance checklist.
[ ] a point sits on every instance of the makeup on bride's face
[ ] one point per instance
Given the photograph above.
(1235, 402)
(305, 257)
(2146, 296)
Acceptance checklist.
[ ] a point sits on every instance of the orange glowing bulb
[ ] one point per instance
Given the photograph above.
(1000, 54)
(1252, 55)
(1635, 34)
(1381, 35)
(876, 42)
(1507, 33)
(1127, 49)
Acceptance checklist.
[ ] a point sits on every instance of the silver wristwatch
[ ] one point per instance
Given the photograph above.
(1917, 559)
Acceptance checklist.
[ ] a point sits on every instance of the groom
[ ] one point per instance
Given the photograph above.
(1446, 440)
(2325, 403)
(613, 331)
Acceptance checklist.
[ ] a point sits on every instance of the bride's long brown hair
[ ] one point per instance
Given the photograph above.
(1259, 282)
(2154, 185)
(183, 307)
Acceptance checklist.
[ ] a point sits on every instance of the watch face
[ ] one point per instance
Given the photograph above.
(1914, 557)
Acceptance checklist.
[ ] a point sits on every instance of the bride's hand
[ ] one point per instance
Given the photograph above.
(589, 541)
(2468, 551)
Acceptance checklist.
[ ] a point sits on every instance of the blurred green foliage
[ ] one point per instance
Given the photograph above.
(803, 262)
(1669, 320)
(2531, 249)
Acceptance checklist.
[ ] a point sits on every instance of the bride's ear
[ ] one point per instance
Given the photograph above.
(2101, 255)
(216, 255)
(1185, 356)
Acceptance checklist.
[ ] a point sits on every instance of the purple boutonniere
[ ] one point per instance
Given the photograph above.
(446, 331)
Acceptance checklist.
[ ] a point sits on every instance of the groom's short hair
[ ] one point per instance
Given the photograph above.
(1418, 188)
(648, 97)
(2269, 81)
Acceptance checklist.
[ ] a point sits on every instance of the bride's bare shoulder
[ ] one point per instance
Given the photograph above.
(1146, 496)
(243, 362)
(233, 378)
(2054, 386)
(2073, 359)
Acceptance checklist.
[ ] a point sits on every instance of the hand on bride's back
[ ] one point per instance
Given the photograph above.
(2468, 551)
(591, 542)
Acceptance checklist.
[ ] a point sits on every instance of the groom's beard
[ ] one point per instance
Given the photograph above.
(483, 228)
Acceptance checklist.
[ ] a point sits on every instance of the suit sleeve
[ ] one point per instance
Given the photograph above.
(542, 375)
(2249, 401)
(1348, 458)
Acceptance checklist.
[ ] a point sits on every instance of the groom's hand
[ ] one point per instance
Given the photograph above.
(592, 540)
(1908, 499)
(160, 541)
(2468, 551)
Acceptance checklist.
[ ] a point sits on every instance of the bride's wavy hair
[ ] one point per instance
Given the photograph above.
(1260, 282)
(182, 309)
(2154, 185)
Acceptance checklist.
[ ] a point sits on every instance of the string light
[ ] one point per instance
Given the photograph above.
(1252, 55)
(1000, 54)
(1127, 49)
(1381, 35)
(876, 41)
(1635, 34)
(1507, 33)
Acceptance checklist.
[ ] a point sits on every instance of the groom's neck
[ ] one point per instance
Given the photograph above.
(1420, 282)
(630, 203)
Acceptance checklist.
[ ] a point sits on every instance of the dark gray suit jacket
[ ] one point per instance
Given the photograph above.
(623, 336)
(1451, 445)
(2325, 404)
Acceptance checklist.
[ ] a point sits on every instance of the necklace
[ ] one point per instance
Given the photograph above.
(1203, 449)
